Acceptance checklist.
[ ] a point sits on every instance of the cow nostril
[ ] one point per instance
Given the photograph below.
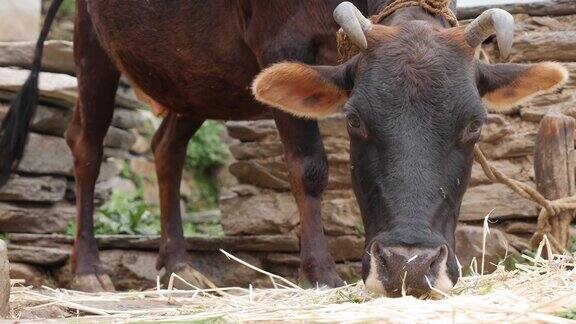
(438, 259)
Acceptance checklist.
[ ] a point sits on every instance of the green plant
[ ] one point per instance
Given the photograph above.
(124, 214)
(68, 7)
(127, 214)
(573, 245)
(206, 149)
(213, 229)
(208, 192)
(189, 229)
(569, 314)
(359, 228)
(129, 174)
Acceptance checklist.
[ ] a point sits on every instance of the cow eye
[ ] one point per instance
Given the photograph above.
(353, 120)
(472, 132)
(474, 127)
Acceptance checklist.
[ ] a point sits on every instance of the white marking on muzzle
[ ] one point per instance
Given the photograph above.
(443, 282)
(372, 282)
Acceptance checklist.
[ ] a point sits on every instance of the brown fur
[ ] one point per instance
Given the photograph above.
(298, 89)
(538, 79)
(157, 109)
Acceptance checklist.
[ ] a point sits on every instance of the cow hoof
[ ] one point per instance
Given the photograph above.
(92, 283)
(187, 278)
(319, 276)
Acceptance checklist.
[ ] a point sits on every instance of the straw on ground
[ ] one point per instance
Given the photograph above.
(535, 291)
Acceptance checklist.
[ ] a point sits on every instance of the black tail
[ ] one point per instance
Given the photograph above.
(14, 129)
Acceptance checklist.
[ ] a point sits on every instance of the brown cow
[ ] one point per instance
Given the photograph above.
(414, 97)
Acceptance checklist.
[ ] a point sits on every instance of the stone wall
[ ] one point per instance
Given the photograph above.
(262, 203)
(39, 197)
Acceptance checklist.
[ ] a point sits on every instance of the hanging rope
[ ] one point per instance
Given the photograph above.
(550, 208)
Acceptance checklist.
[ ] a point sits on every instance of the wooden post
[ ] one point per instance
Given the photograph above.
(4, 280)
(554, 167)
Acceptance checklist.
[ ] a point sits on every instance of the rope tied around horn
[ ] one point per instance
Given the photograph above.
(550, 208)
(441, 8)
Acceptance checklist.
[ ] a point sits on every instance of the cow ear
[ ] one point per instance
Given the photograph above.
(302, 90)
(505, 86)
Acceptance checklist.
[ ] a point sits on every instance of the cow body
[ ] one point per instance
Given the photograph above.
(199, 57)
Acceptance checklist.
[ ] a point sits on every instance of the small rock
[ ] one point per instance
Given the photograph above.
(544, 46)
(47, 155)
(56, 57)
(245, 190)
(119, 138)
(495, 128)
(127, 118)
(32, 275)
(203, 217)
(55, 88)
(141, 145)
(247, 131)
(346, 247)
(262, 214)
(33, 189)
(516, 145)
(108, 170)
(260, 174)
(47, 119)
(147, 170)
(480, 201)
(341, 217)
(520, 228)
(225, 272)
(469, 245)
(290, 259)
(37, 255)
(118, 153)
(517, 168)
(256, 150)
(35, 219)
(350, 272)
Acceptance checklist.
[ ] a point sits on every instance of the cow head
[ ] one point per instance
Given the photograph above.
(415, 100)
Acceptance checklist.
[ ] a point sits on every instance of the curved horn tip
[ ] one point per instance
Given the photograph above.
(504, 28)
(493, 21)
(352, 22)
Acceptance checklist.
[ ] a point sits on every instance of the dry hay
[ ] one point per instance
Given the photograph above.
(534, 292)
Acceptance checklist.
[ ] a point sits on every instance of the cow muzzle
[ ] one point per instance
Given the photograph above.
(396, 271)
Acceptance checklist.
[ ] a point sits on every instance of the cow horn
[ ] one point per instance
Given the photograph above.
(353, 23)
(490, 22)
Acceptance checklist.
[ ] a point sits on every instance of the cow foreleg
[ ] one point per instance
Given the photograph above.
(97, 84)
(169, 147)
(308, 168)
